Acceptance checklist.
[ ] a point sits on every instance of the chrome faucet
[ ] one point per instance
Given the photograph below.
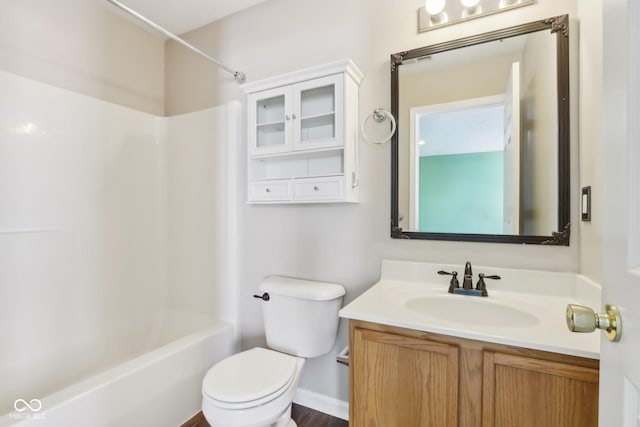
(467, 283)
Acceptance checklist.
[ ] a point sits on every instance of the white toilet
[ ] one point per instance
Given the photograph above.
(255, 388)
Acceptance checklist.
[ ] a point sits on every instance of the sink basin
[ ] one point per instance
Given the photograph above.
(472, 310)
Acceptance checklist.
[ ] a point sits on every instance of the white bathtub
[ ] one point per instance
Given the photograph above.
(161, 387)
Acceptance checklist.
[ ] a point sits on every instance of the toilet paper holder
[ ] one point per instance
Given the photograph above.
(343, 356)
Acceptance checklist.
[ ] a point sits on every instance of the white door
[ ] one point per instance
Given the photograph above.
(620, 362)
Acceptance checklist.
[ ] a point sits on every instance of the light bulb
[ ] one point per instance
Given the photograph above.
(471, 7)
(434, 7)
(469, 3)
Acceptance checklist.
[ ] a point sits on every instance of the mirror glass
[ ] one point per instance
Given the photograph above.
(481, 151)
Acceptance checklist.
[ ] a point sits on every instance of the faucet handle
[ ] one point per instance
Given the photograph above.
(481, 286)
(454, 279)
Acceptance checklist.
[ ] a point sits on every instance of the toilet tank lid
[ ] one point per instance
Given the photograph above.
(303, 289)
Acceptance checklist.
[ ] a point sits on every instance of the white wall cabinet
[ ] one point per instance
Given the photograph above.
(302, 136)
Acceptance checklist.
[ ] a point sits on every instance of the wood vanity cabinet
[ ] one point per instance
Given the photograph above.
(407, 378)
(396, 378)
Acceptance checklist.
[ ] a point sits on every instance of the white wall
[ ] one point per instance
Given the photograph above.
(84, 46)
(338, 243)
(591, 141)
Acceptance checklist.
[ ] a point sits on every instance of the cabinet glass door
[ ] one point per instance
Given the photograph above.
(318, 113)
(269, 121)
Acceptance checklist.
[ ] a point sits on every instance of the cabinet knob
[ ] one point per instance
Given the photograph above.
(584, 319)
(316, 188)
(268, 190)
(294, 116)
(287, 117)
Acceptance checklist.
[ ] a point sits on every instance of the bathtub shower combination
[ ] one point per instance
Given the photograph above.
(116, 241)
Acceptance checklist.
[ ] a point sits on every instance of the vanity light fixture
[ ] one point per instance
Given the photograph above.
(439, 13)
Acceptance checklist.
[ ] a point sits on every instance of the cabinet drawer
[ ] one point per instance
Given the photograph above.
(325, 188)
(270, 190)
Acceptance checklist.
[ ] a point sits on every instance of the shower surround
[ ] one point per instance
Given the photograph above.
(112, 222)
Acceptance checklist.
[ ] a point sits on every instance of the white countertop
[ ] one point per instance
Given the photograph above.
(386, 303)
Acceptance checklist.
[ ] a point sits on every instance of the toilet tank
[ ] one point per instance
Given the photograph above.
(301, 316)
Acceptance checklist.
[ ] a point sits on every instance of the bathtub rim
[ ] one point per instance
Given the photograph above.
(115, 373)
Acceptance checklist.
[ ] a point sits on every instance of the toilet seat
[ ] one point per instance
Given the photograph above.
(249, 378)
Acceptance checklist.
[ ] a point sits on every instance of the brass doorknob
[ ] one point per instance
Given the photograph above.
(584, 319)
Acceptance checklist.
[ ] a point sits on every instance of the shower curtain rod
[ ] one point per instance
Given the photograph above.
(238, 75)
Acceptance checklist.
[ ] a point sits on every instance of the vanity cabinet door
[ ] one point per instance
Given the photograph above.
(527, 392)
(400, 381)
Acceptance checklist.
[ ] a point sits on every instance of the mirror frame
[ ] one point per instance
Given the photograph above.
(559, 26)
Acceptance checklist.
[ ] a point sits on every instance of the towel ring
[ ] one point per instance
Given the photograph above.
(379, 115)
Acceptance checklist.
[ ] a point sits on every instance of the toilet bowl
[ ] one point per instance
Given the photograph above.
(255, 388)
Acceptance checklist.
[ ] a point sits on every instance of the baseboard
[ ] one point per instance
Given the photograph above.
(319, 402)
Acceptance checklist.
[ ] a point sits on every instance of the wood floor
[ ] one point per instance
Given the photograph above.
(303, 416)
(306, 417)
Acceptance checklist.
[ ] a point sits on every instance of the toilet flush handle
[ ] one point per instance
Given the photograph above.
(264, 297)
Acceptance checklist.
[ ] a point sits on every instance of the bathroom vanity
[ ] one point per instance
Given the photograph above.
(420, 356)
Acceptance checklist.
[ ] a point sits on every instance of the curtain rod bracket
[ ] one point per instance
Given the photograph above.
(240, 77)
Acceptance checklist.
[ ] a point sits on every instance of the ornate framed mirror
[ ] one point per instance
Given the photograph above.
(482, 150)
